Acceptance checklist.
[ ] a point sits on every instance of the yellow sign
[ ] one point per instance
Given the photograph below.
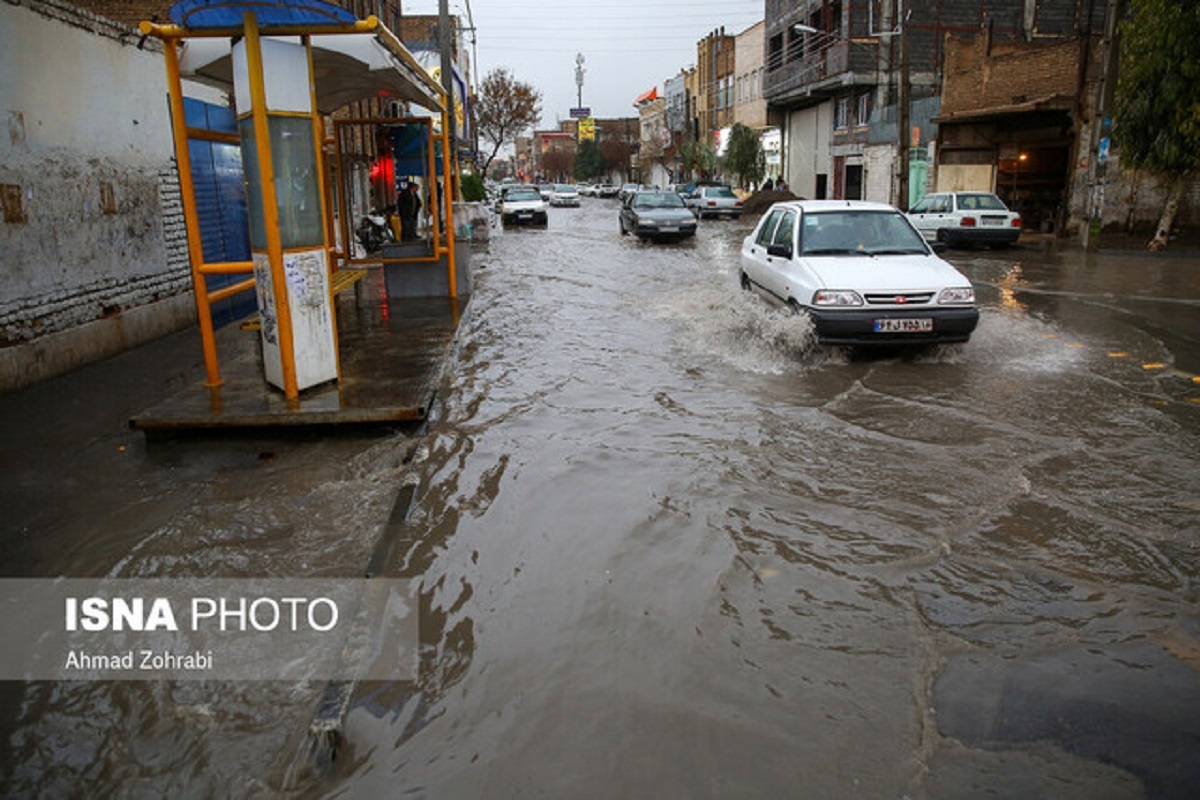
(587, 129)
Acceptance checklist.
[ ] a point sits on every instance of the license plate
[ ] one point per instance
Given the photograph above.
(525, 215)
(987, 221)
(903, 325)
(669, 229)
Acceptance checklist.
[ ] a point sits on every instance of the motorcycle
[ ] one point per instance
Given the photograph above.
(375, 230)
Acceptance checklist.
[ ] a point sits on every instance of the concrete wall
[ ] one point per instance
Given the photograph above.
(88, 178)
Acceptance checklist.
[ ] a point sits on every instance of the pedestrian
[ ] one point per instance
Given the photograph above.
(410, 205)
(768, 185)
(781, 186)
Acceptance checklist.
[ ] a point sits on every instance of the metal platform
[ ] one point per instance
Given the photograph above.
(392, 353)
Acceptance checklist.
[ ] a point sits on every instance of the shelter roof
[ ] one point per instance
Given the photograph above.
(347, 66)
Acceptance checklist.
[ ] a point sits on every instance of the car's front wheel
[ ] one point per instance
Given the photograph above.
(746, 286)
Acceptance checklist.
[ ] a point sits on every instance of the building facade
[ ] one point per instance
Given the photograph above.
(715, 66)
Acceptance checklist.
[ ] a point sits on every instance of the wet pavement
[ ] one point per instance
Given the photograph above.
(666, 547)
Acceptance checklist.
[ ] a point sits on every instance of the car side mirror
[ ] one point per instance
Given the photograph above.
(779, 250)
(938, 247)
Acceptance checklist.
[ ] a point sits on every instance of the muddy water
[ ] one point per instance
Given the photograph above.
(668, 548)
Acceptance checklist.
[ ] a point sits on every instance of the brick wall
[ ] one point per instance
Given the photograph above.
(1013, 72)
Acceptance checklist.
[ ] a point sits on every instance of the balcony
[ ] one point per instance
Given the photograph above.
(809, 76)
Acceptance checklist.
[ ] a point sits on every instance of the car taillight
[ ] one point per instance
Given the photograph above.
(967, 222)
(1016, 223)
(738, 204)
(712, 202)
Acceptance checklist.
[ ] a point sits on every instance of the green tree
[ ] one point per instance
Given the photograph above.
(589, 163)
(697, 160)
(744, 158)
(472, 188)
(504, 109)
(1157, 116)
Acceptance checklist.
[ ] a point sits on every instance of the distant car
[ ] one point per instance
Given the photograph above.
(627, 189)
(682, 189)
(523, 204)
(656, 215)
(564, 195)
(714, 201)
(959, 218)
(606, 190)
(860, 272)
(587, 190)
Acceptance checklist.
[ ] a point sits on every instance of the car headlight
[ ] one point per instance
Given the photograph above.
(837, 297)
(957, 296)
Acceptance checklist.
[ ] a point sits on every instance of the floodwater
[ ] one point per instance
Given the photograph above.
(668, 548)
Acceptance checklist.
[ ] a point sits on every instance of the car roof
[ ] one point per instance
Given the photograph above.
(834, 205)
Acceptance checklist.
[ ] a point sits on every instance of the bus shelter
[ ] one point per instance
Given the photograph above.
(289, 64)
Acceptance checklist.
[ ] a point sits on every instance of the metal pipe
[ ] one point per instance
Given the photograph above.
(191, 218)
(217, 295)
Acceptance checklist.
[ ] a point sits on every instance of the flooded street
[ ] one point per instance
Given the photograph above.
(668, 548)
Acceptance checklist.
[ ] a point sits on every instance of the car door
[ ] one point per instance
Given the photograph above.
(754, 254)
(920, 213)
(779, 274)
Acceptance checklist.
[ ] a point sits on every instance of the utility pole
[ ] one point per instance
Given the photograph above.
(1097, 163)
(445, 40)
(902, 116)
(579, 70)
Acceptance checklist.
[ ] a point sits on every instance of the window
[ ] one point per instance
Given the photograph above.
(775, 52)
(785, 232)
(841, 117)
(863, 112)
(767, 232)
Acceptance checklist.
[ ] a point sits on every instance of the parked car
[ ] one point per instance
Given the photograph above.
(523, 204)
(682, 189)
(656, 215)
(714, 201)
(959, 218)
(564, 194)
(626, 190)
(861, 273)
(587, 190)
(606, 190)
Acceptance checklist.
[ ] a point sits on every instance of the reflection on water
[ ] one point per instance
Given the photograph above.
(668, 547)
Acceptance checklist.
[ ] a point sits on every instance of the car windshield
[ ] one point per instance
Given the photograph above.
(657, 200)
(562, 188)
(853, 232)
(719, 191)
(518, 195)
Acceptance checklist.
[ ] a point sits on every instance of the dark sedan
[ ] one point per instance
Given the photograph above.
(656, 215)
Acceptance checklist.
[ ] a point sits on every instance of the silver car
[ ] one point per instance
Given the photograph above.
(715, 201)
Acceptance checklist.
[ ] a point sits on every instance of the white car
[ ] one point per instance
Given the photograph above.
(714, 201)
(523, 205)
(860, 272)
(564, 195)
(958, 218)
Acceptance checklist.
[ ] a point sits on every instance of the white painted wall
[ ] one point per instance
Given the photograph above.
(807, 145)
(85, 118)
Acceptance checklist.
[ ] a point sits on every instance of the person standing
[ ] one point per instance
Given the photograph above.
(409, 204)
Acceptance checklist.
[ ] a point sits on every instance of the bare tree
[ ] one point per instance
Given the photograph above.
(504, 109)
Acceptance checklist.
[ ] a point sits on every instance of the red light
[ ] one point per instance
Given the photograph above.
(712, 202)
(967, 222)
(1016, 223)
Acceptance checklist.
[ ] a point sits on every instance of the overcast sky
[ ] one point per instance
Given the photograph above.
(629, 46)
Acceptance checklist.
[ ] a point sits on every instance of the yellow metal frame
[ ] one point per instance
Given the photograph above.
(171, 36)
